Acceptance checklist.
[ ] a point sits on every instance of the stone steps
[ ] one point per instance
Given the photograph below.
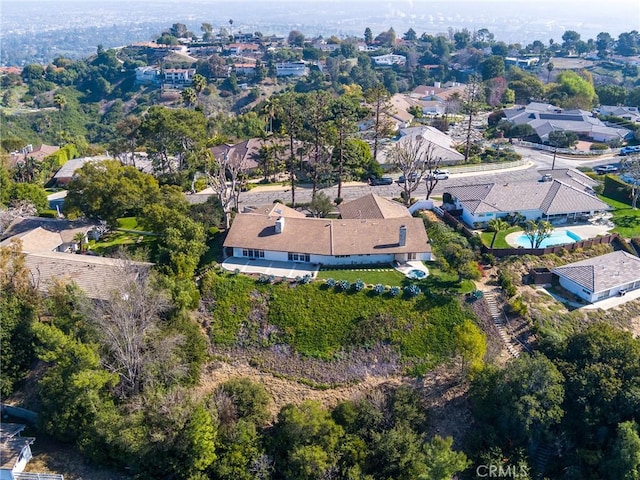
(494, 310)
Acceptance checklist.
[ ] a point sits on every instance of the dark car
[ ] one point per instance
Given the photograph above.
(604, 169)
(380, 181)
(412, 178)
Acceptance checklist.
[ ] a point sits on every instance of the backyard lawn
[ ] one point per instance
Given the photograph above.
(500, 239)
(626, 219)
(122, 236)
(384, 275)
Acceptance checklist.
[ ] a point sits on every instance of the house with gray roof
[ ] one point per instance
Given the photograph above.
(325, 241)
(442, 144)
(545, 118)
(601, 277)
(571, 177)
(554, 201)
(372, 206)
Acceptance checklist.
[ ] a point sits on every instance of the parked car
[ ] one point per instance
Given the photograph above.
(629, 150)
(412, 177)
(438, 175)
(381, 181)
(604, 169)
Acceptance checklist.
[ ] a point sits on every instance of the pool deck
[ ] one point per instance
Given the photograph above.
(406, 267)
(583, 231)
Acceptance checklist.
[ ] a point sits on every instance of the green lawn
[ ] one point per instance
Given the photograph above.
(128, 223)
(500, 239)
(122, 237)
(383, 275)
(626, 219)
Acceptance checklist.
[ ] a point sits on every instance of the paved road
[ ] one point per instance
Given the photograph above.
(538, 160)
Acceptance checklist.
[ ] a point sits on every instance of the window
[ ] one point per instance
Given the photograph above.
(299, 257)
(251, 253)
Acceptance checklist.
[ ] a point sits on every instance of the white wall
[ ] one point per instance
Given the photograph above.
(330, 260)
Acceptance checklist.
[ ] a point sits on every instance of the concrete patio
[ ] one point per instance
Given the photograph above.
(269, 267)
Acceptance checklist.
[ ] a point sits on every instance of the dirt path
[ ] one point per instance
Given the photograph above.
(284, 391)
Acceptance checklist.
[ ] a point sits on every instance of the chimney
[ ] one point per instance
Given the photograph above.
(436, 84)
(402, 241)
(280, 225)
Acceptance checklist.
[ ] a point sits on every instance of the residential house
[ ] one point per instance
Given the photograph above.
(65, 174)
(178, 77)
(284, 238)
(523, 63)
(554, 201)
(38, 154)
(600, 277)
(545, 118)
(248, 152)
(291, 69)
(372, 206)
(574, 178)
(628, 113)
(441, 143)
(147, 76)
(389, 60)
(245, 67)
(434, 99)
(242, 48)
(44, 247)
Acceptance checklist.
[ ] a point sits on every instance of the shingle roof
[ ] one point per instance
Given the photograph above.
(571, 177)
(96, 276)
(37, 240)
(602, 273)
(550, 197)
(372, 206)
(327, 237)
(273, 209)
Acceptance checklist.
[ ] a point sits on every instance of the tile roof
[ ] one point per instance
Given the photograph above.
(602, 273)
(37, 240)
(327, 237)
(443, 143)
(571, 177)
(550, 198)
(372, 206)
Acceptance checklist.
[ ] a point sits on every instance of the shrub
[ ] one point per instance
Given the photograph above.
(598, 146)
(330, 282)
(411, 290)
(263, 279)
(358, 285)
(378, 289)
(394, 291)
(343, 285)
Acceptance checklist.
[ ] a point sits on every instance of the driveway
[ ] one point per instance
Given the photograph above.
(269, 267)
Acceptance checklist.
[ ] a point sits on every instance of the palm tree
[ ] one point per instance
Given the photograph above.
(59, 101)
(79, 238)
(496, 225)
(198, 82)
(550, 67)
(189, 96)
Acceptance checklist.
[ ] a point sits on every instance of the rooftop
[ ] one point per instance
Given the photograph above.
(603, 272)
(372, 206)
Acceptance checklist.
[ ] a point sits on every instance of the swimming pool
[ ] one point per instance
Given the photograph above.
(558, 237)
(416, 274)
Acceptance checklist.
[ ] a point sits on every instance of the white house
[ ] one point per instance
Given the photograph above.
(327, 242)
(291, 69)
(601, 277)
(178, 76)
(15, 453)
(554, 201)
(545, 118)
(628, 113)
(389, 60)
(147, 75)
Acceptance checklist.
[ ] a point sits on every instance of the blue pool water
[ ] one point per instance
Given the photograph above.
(416, 274)
(558, 237)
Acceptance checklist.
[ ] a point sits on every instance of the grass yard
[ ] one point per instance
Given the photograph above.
(128, 223)
(500, 242)
(626, 219)
(384, 275)
(123, 236)
(319, 321)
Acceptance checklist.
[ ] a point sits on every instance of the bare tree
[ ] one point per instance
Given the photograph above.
(631, 168)
(223, 176)
(18, 209)
(129, 328)
(414, 157)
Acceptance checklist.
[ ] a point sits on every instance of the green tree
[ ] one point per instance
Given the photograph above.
(344, 113)
(470, 346)
(368, 36)
(107, 191)
(492, 67)
(496, 225)
(320, 205)
(442, 461)
(34, 194)
(189, 96)
(379, 101)
(537, 232)
(572, 90)
(624, 462)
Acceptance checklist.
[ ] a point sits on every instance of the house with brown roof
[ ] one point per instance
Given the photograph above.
(372, 206)
(321, 241)
(554, 201)
(601, 277)
(15, 453)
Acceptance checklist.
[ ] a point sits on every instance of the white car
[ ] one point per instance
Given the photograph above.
(438, 175)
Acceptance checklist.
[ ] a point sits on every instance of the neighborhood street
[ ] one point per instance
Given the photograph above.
(537, 160)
